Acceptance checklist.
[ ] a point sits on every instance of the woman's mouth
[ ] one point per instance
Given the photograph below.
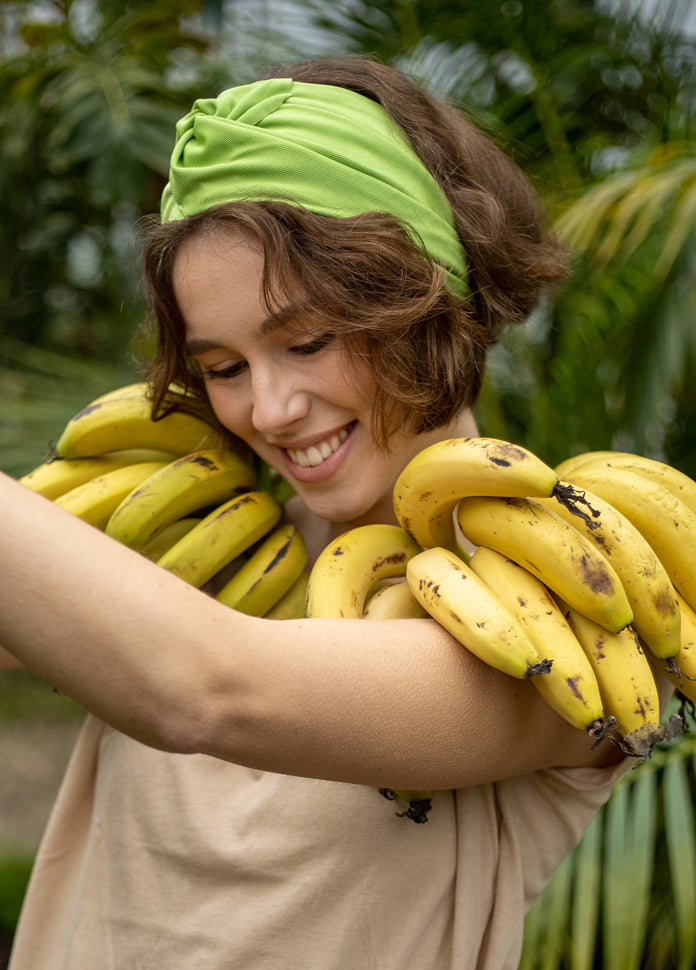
(318, 453)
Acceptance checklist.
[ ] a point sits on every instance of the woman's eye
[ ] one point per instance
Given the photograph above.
(222, 373)
(314, 345)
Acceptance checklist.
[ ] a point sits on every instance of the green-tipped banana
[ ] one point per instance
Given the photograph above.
(268, 574)
(187, 485)
(538, 538)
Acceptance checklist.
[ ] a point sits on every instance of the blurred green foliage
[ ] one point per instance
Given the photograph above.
(594, 100)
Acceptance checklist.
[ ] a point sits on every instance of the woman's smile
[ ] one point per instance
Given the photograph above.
(316, 454)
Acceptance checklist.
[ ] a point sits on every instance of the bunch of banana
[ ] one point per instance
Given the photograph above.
(601, 549)
(170, 490)
(583, 577)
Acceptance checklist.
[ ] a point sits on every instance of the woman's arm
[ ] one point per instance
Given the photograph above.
(395, 703)
(8, 661)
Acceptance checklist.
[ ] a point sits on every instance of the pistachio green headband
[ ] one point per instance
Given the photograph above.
(322, 147)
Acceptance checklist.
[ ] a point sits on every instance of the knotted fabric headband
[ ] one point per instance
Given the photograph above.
(327, 149)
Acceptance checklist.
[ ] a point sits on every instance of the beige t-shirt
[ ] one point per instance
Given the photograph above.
(184, 862)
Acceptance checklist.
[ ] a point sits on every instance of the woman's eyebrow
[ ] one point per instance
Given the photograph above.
(200, 345)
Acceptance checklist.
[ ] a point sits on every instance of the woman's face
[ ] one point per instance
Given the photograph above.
(287, 390)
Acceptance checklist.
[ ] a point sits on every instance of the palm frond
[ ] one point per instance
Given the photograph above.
(681, 848)
(625, 898)
(611, 220)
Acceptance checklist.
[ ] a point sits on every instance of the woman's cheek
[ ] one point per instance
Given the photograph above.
(229, 409)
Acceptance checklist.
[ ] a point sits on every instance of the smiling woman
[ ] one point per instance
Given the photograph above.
(335, 254)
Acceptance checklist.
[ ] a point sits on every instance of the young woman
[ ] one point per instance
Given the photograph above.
(337, 251)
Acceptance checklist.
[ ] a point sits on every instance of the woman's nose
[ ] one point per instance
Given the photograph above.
(279, 400)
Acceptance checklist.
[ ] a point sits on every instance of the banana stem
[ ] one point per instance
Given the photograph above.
(571, 498)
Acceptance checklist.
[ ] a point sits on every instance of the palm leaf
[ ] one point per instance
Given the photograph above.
(628, 863)
(680, 833)
(547, 921)
(629, 906)
(612, 219)
(586, 897)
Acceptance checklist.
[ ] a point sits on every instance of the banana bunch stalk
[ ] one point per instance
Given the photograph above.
(583, 578)
(172, 491)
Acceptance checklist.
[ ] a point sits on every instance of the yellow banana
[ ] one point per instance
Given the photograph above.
(167, 537)
(119, 423)
(225, 533)
(268, 574)
(59, 475)
(684, 679)
(537, 538)
(136, 389)
(393, 601)
(656, 616)
(291, 606)
(570, 687)
(600, 462)
(665, 521)
(429, 488)
(626, 683)
(191, 483)
(451, 592)
(94, 501)
(348, 567)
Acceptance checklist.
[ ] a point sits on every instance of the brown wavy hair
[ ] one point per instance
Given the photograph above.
(377, 288)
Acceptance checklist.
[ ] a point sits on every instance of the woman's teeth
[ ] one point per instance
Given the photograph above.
(316, 454)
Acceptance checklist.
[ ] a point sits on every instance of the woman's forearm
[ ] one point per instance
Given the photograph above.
(377, 702)
(8, 661)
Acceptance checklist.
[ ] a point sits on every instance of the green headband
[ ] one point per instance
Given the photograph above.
(322, 147)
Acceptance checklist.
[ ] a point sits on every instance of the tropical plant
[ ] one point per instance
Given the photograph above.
(607, 363)
(625, 899)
